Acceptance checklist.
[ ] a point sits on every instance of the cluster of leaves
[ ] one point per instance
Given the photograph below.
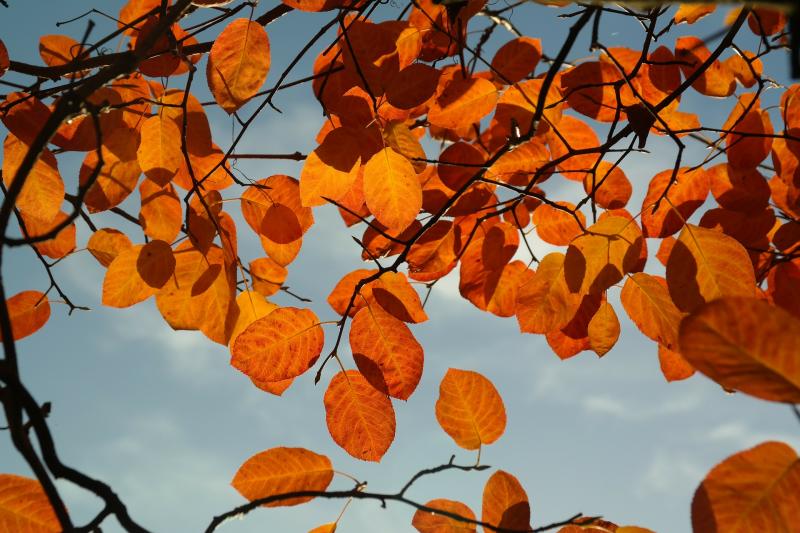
(728, 304)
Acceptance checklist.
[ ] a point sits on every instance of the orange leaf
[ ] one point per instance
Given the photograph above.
(647, 302)
(43, 189)
(673, 365)
(685, 195)
(24, 506)
(161, 214)
(544, 302)
(706, 264)
(360, 418)
(281, 189)
(754, 490)
(120, 171)
(462, 102)
(281, 225)
(331, 169)
(386, 352)
(391, 189)
(160, 152)
(431, 522)
(343, 291)
(603, 329)
(718, 80)
(516, 59)
(600, 257)
(470, 409)
(397, 297)
(238, 63)
(252, 306)
(324, 528)
(610, 186)
(281, 345)
(280, 471)
(107, 243)
(57, 247)
(739, 189)
(59, 50)
(28, 311)
(557, 226)
(505, 503)
(412, 86)
(123, 285)
(691, 13)
(268, 276)
(745, 344)
(155, 263)
(749, 137)
(590, 91)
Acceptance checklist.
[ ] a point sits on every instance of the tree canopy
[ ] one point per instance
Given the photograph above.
(453, 144)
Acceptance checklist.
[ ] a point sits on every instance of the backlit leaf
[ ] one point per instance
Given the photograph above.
(603, 329)
(505, 503)
(685, 195)
(238, 63)
(360, 418)
(544, 302)
(24, 506)
(461, 102)
(28, 311)
(470, 409)
(280, 471)
(745, 344)
(386, 352)
(647, 302)
(391, 189)
(106, 243)
(43, 190)
(754, 490)
(430, 522)
(160, 152)
(281, 345)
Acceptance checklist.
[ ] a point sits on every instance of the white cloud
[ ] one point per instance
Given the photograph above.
(669, 472)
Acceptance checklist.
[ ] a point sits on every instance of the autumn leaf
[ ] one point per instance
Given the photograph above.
(24, 506)
(391, 189)
(281, 471)
(470, 409)
(757, 490)
(745, 344)
(238, 63)
(360, 418)
(505, 503)
(431, 522)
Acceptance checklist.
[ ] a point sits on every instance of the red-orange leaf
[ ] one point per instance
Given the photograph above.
(647, 302)
(28, 311)
(673, 365)
(754, 490)
(745, 344)
(391, 189)
(281, 345)
(470, 409)
(516, 59)
(280, 471)
(386, 352)
(24, 506)
(5, 62)
(397, 297)
(505, 503)
(238, 63)
(360, 418)
(155, 263)
(430, 522)
(58, 50)
(558, 226)
(280, 224)
(461, 102)
(685, 195)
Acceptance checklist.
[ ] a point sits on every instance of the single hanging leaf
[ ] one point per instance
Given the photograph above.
(359, 417)
(391, 189)
(745, 344)
(603, 329)
(28, 311)
(706, 264)
(470, 409)
(279, 346)
(429, 522)
(754, 490)
(24, 506)
(282, 470)
(120, 171)
(647, 302)
(238, 63)
(55, 247)
(386, 352)
(107, 243)
(673, 365)
(505, 503)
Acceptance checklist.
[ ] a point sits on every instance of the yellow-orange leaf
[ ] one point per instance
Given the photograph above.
(238, 63)
(673, 365)
(754, 490)
(600, 257)
(56, 247)
(462, 102)
(706, 264)
(106, 243)
(647, 302)
(397, 297)
(267, 275)
(24, 506)
(544, 302)
(58, 50)
(505, 503)
(28, 311)
(386, 352)
(159, 152)
(359, 417)
(120, 172)
(685, 195)
(745, 344)
(280, 471)
(123, 285)
(691, 13)
(252, 306)
(603, 329)
(161, 214)
(281, 345)
(43, 188)
(558, 226)
(325, 528)
(391, 189)
(470, 409)
(431, 522)
(340, 296)
(331, 169)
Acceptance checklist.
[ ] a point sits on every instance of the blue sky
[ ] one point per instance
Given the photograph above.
(162, 417)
